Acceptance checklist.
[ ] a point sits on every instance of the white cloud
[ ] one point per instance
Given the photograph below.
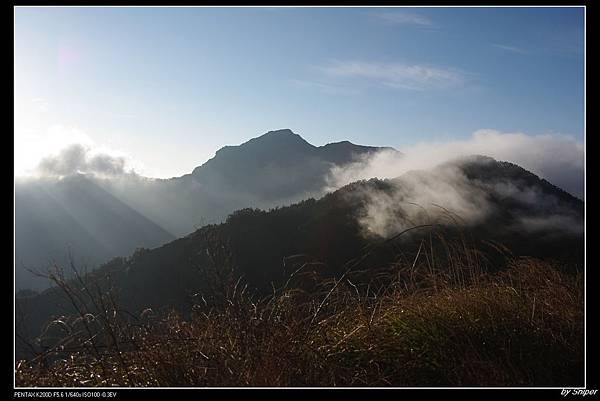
(444, 194)
(557, 158)
(64, 150)
(404, 18)
(512, 49)
(78, 158)
(396, 75)
(413, 201)
(33, 144)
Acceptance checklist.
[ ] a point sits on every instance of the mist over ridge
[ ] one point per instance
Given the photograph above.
(489, 201)
(276, 169)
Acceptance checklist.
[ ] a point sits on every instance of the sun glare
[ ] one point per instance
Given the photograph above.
(34, 140)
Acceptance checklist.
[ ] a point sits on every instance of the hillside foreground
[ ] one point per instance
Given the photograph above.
(429, 320)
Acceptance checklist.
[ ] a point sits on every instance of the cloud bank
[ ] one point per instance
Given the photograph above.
(422, 198)
(81, 159)
(446, 195)
(431, 186)
(556, 158)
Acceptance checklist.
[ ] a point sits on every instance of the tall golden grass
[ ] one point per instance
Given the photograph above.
(436, 318)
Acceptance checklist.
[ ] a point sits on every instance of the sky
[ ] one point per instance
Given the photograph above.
(164, 88)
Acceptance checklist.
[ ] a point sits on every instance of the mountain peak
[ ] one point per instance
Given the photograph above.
(283, 131)
(281, 147)
(271, 144)
(284, 135)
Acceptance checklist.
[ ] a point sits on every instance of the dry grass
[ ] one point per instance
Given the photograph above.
(422, 323)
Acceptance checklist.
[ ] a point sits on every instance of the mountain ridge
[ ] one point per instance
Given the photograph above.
(274, 169)
(285, 140)
(264, 247)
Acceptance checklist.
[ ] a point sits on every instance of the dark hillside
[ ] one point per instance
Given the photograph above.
(265, 247)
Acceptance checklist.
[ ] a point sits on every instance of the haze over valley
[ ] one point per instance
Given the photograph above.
(101, 217)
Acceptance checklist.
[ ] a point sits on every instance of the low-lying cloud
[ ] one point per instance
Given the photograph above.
(81, 159)
(422, 198)
(431, 187)
(556, 158)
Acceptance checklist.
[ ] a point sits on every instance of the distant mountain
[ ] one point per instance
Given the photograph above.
(500, 203)
(275, 169)
(277, 165)
(98, 219)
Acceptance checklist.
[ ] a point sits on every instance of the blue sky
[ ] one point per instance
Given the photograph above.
(167, 87)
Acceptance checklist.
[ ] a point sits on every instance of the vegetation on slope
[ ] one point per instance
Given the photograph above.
(437, 320)
(303, 296)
